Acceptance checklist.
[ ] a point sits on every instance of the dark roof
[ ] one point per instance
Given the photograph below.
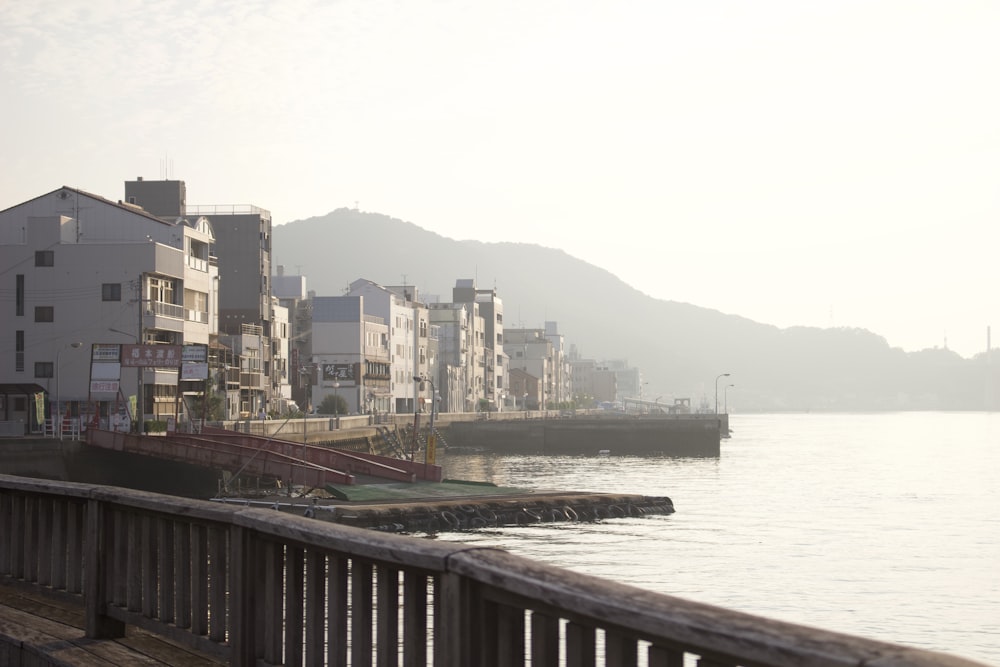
(20, 389)
(126, 207)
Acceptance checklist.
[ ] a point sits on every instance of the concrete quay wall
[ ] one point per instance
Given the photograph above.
(590, 436)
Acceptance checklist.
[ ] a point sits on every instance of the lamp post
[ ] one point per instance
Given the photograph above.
(724, 375)
(306, 373)
(58, 409)
(336, 403)
(725, 397)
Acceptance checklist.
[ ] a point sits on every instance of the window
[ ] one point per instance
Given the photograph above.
(44, 314)
(45, 258)
(19, 351)
(19, 281)
(111, 292)
(44, 369)
(162, 290)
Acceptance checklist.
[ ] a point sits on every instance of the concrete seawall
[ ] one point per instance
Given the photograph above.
(590, 436)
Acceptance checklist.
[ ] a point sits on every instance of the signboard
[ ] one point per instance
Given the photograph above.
(39, 408)
(338, 372)
(104, 386)
(194, 371)
(106, 371)
(105, 352)
(195, 352)
(156, 356)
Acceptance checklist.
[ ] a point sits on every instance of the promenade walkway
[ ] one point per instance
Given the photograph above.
(36, 629)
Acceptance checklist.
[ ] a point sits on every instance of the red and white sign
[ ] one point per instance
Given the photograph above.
(104, 386)
(146, 356)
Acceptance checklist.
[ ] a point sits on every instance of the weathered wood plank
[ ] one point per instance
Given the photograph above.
(544, 640)
(43, 547)
(414, 619)
(620, 648)
(182, 560)
(217, 582)
(57, 564)
(662, 656)
(336, 611)
(133, 575)
(97, 564)
(149, 555)
(361, 613)
(76, 544)
(387, 623)
(581, 645)
(199, 580)
(294, 606)
(453, 616)
(315, 626)
(242, 597)
(271, 600)
(165, 568)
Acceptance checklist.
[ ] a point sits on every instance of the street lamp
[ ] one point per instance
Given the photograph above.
(58, 410)
(306, 374)
(725, 397)
(336, 403)
(724, 375)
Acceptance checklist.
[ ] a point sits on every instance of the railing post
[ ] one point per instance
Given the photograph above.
(242, 602)
(98, 548)
(454, 642)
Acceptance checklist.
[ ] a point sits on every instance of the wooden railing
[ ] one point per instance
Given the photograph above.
(258, 587)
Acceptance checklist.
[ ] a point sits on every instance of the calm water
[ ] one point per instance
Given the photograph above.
(879, 525)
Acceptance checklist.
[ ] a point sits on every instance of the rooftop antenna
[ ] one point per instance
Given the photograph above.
(298, 267)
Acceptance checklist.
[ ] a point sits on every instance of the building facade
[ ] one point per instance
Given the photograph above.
(89, 276)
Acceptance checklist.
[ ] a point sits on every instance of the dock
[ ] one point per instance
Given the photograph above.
(451, 505)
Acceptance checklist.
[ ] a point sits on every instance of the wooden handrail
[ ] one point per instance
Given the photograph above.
(255, 586)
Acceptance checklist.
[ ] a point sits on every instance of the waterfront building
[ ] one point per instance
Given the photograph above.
(531, 352)
(351, 355)
(490, 338)
(452, 323)
(86, 275)
(292, 294)
(402, 314)
(560, 389)
(243, 244)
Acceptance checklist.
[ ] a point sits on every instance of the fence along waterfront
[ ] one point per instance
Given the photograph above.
(255, 586)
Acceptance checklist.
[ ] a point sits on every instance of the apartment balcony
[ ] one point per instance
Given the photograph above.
(252, 380)
(164, 316)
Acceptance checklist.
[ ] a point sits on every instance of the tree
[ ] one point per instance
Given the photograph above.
(333, 404)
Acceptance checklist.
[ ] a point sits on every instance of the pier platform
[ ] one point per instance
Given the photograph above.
(453, 505)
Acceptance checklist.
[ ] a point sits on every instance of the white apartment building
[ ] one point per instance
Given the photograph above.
(350, 355)
(452, 322)
(489, 383)
(83, 274)
(531, 352)
(408, 334)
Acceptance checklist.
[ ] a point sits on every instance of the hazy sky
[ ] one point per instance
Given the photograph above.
(819, 163)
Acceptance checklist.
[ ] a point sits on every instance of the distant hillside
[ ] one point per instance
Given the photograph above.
(679, 347)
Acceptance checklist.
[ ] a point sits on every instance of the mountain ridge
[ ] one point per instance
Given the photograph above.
(679, 347)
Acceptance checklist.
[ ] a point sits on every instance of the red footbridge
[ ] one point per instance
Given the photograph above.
(244, 454)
